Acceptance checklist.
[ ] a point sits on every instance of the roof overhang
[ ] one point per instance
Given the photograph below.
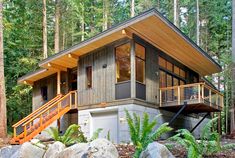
(31, 77)
(152, 27)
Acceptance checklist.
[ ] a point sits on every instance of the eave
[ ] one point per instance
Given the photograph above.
(152, 27)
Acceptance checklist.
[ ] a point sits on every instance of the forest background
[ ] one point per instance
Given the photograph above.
(35, 29)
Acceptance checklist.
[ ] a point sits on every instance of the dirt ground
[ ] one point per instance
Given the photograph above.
(126, 151)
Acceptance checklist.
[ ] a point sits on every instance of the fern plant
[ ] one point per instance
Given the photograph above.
(209, 141)
(72, 135)
(142, 132)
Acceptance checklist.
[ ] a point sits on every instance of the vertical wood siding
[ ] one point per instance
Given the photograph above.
(103, 79)
(152, 75)
(50, 82)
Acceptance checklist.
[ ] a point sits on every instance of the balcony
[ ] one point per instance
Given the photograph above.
(199, 98)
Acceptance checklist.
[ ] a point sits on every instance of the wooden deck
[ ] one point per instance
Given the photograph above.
(199, 98)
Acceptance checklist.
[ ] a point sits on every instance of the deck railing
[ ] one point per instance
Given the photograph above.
(192, 94)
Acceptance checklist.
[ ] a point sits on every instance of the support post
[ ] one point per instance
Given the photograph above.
(133, 73)
(160, 98)
(199, 122)
(210, 96)
(58, 124)
(178, 95)
(58, 83)
(199, 93)
(177, 114)
(219, 123)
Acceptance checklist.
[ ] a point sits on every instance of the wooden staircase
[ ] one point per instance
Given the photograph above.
(38, 120)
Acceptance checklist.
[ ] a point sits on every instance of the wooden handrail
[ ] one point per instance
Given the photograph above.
(200, 93)
(182, 86)
(33, 113)
(48, 108)
(215, 91)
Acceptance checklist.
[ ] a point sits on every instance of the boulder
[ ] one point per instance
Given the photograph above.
(54, 149)
(38, 143)
(7, 152)
(28, 150)
(102, 148)
(156, 150)
(74, 151)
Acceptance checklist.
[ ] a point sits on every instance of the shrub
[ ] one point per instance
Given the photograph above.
(72, 135)
(143, 133)
(209, 141)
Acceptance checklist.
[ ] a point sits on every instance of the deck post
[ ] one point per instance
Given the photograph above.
(160, 93)
(178, 95)
(210, 96)
(58, 83)
(202, 93)
(14, 132)
(199, 93)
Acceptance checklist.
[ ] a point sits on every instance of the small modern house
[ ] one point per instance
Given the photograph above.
(145, 64)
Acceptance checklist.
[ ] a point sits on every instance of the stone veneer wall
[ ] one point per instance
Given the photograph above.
(188, 122)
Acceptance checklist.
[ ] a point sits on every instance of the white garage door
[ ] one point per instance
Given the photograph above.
(108, 121)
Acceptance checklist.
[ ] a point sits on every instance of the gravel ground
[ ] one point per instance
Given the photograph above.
(126, 150)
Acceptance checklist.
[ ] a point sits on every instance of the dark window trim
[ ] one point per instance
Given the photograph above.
(115, 58)
(91, 85)
(142, 60)
(172, 74)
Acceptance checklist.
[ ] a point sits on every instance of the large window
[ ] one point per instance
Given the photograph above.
(140, 63)
(89, 77)
(123, 70)
(170, 75)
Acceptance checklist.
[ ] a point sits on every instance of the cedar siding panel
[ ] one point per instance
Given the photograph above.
(50, 82)
(103, 77)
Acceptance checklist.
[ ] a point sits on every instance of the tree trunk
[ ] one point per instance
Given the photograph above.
(176, 14)
(105, 14)
(44, 30)
(232, 119)
(57, 30)
(132, 8)
(3, 116)
(198, 24)
(83, 25)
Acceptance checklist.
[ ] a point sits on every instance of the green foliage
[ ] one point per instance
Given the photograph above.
(23, 36)
(142, 132)
(108, 136)
(72, 135)
(96, 134)
(209, 141)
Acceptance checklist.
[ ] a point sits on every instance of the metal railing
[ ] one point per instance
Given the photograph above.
(192, 94)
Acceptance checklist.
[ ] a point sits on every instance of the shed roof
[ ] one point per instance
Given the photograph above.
(152, 27)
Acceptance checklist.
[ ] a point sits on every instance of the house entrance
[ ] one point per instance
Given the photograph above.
(73, 80)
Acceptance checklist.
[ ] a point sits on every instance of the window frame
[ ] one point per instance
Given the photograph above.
(87, 78)
(144, 60)
(115, 58)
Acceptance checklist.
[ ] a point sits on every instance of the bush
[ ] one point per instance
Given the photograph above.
(209, 141)
(72, 135)
(142, 133)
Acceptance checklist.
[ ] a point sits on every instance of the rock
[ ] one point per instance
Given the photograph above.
(7, 152)
(54, 149)
(38, 143)
(28, 150)
(74, 151)
(156, 150)
(99, 148)
(102, 148)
